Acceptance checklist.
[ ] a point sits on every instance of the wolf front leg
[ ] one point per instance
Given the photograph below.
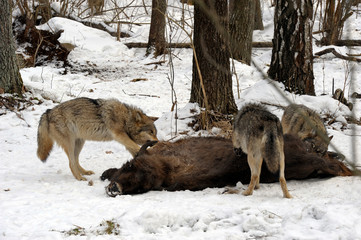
(129, 144)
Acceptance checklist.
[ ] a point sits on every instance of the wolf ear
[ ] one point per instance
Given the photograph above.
(330, 138)
(138, 117)
(153, 118)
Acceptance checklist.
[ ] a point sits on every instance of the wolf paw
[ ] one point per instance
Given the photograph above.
(80, 178)
(247, 192)
(88, 173)
(287, 195)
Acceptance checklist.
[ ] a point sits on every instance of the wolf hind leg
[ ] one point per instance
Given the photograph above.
(259, 174)
(79, 143)
(254, 165)
(69, 147)
(282, 179)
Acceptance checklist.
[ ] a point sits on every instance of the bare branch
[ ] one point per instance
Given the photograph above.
(334, 52)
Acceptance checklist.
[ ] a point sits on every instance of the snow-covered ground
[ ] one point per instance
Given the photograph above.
(44, 201)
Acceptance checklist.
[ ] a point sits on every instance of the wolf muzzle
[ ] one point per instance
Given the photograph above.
(113, 189)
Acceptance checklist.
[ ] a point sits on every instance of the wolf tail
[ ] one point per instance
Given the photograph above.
(45, 143)
(271, 149)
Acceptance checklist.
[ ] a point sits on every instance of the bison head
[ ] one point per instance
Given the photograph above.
(128, 179)
(113, 189)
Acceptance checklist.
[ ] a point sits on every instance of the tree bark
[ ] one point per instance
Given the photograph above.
(211, 79)
(258, 22)
(10, 78)
(241, 29)
(157, 28)
(292, 60)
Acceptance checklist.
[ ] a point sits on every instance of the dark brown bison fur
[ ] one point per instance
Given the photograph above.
(199, 163)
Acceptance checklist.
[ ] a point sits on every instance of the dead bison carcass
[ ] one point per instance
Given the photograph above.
(199, 163)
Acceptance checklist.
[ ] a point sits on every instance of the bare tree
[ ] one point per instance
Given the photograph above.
(211, 79)
(292, 62)
(157, 28)
(242, 16)
(43, 10)
(334, 17)
(10, 78)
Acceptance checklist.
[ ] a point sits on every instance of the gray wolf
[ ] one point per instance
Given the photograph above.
(197, 163)
(258, 133)
(308, 126)
(71, 123)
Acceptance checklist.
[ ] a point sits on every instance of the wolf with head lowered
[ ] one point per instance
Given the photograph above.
(258, 133)
(308, 126)
(73, 122)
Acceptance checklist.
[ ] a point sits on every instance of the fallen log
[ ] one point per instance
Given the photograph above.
(188, 45)
(349, 43)
(104, 27)
(199, 163)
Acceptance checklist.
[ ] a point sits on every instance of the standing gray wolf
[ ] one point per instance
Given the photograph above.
(258, 133)
(71, 123)
(197, 163)
(308, 126)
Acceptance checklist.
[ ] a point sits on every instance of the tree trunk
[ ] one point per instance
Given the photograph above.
(258, 22)
(211, 79)
(241, 29)
(10, 78)
(292, 61)
(157, 28)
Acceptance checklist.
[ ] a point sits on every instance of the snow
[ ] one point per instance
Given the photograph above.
(44, 201)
